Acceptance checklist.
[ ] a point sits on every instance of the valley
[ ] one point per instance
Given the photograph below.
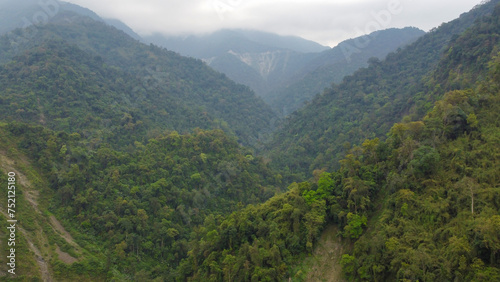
(286, 71)
(242, 155)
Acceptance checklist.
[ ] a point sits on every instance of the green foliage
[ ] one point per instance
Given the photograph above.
(367, 104)
(354, 227)
(258, 243)
(425, 160)
(348, 263)
(419, 204)
(147, 204)
(333, 65)
(439, 219)
(84, 76)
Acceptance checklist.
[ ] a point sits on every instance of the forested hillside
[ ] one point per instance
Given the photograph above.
(75, 60)
(333, 65)
(87, 108)
(146, 204)
(286, 71)
(131, 165)
(368, 103)
(437, 215)
(421, 206)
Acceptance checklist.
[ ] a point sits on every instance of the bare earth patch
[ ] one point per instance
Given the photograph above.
(324, 264)
(8, 165)
(31, 195)
(60, 229)
(42, 264)
(65, 257)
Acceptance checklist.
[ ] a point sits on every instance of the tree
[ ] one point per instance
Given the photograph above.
(354, 227)
(228, 264)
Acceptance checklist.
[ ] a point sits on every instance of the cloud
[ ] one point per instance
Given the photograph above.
(325, 21)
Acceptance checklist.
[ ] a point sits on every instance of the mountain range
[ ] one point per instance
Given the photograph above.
(401, 86)
(133, 162)
(285, 71)
(21, 14)
(158, 92)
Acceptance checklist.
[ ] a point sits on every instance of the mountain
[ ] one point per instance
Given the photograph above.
(285, 71)
(157, 88)
(333, 65)
(238, 40)
(420, 206)
(318, 135)
(146, 201)
(83, 103)
(21, 14)
(125, 163)
(257, 59)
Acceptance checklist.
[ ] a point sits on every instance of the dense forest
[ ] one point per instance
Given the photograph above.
(420, 206)
(150, 87)
(148, 201)
(285, 71)
(404, 85)
(333, 65)
(134, 163)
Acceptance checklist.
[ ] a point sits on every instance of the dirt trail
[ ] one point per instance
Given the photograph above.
(325, 260)
(56, 225)
(65, 257)
(31, 195)
(44, 267)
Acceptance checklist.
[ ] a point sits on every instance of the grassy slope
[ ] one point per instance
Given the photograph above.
(44, 249)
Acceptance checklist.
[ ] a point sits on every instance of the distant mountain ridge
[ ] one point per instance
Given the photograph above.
(275, 66)
(238, 40)
(319, 134)
(285, 71)
(333, 65)
(21, 14)
(158, 87)
(257, 59)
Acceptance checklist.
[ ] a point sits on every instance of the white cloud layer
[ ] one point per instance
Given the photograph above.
(323, 21)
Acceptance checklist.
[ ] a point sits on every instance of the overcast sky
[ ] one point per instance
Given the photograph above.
(327, 22)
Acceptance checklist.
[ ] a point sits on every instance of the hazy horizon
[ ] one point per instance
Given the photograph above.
(325, 22)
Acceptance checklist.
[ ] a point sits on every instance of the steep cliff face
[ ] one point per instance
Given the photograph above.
(265, 63)
(264, 72)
